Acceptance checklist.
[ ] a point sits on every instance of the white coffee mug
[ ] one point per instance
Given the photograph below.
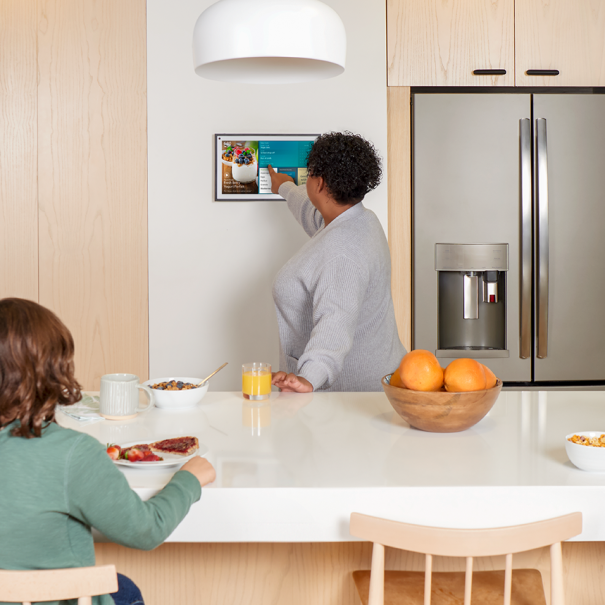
(119, 398)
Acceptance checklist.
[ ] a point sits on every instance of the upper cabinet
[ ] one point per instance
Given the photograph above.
(452, 42)
(565, 36)
(443, 42)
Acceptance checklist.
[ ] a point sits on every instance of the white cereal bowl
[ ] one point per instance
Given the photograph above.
(173, 400)
(586, 457)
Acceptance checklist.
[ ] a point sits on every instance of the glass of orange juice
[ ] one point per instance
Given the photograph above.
(256, 381)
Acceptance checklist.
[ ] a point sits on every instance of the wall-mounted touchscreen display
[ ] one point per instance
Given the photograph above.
(242, 160)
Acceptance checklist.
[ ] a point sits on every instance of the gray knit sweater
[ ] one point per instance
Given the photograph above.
(333, 299)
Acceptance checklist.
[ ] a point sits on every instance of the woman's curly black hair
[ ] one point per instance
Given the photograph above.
(349, 165)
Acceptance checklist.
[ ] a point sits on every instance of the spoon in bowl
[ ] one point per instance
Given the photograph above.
(211, 375)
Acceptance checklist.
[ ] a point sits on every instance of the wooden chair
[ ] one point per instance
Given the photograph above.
(523, 587)
(80, 583)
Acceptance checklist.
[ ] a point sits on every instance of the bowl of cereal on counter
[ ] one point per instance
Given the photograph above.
(176, 392)
(586, 449)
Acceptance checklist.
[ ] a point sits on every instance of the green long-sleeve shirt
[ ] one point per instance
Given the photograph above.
(54, 488)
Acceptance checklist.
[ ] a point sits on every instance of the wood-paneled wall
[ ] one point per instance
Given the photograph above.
(299, 574)
(77, 204)
(18, 149)
(400, 207)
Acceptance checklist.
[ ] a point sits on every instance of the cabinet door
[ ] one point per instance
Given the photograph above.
(563, 35)
(441, 42)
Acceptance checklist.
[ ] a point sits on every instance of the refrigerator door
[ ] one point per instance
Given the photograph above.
(467, 190)
(570, 263)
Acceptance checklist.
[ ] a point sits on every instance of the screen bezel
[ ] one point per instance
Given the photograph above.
(218, 170)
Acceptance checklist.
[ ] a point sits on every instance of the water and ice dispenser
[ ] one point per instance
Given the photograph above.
(471, 297)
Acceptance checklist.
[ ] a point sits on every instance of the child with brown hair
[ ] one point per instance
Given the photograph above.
(55, 483)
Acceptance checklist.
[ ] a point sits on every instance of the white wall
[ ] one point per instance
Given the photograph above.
(212, 264)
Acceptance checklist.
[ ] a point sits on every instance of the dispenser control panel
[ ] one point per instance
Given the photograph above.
(471, 257)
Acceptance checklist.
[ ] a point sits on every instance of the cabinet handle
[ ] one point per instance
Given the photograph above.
(542, 72)
(489, 72)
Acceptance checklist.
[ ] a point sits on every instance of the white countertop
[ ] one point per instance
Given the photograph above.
(293, 469)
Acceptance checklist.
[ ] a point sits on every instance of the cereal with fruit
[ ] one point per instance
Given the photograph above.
(174, 385)
(591, 441)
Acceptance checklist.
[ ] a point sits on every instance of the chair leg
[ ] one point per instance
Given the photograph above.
(377, 576)
(557, 596)
(468, 581)
(428, 576)
(508, 579)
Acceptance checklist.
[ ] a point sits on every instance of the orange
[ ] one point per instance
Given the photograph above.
(396, 379)
(490, 376)
(464, 375)
(420, 371)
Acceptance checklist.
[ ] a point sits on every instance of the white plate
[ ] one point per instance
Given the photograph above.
(169, 459)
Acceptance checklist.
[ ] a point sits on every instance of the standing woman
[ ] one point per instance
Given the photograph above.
(335, 313)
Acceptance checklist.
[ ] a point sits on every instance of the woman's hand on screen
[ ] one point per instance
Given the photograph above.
(291, 383)
(277, 179)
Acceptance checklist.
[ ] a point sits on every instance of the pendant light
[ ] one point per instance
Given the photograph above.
(269, 42)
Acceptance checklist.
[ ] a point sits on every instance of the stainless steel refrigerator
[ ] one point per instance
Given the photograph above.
(509, 233)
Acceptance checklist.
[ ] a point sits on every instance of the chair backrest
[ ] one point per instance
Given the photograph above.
(467, 543)
(57, 584)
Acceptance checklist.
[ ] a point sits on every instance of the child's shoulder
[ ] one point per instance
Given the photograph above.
(60, 437)
(56, 446)
(68, 435)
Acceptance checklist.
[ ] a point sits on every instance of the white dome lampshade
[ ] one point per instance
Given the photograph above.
(269, 42)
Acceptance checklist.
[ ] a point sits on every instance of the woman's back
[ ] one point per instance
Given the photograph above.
(333, 301)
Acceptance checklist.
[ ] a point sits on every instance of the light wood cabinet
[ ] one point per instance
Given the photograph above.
(563, 35)
(441, 42)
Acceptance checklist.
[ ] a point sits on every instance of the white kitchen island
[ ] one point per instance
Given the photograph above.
(293, 469)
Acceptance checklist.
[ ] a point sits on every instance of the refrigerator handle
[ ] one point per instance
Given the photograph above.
(526, 237)
(542, 236)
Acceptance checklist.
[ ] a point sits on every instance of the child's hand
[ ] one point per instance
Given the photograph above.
(201, 469)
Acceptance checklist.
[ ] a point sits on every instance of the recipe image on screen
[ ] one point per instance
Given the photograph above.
(242, 168)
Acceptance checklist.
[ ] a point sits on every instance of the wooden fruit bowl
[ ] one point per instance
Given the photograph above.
(441, 411)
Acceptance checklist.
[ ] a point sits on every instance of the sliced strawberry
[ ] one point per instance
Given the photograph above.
(114, 451)
(151, 457)
(133, 455)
